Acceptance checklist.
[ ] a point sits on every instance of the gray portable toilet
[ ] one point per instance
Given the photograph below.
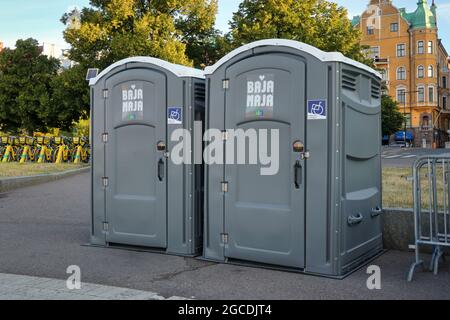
(139, 197)
(321, 213)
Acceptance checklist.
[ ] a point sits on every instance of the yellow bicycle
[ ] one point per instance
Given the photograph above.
(44, 150)
(3, 144)
(62, 152)
(81, 150)
(27, 149)
(10, 153)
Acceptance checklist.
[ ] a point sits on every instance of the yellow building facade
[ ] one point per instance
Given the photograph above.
(414, 63)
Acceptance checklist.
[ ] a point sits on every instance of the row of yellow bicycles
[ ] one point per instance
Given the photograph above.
(44, 149)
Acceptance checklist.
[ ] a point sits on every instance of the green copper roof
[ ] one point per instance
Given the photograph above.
(423, 18)
(356, 20)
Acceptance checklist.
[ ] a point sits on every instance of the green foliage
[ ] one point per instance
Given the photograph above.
(322, 24)
(392, 119)
(25, 88)
(179, 31)
(111, 30)
(82, 128)
(70, 98)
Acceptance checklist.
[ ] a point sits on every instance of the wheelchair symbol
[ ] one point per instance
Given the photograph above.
(175, 115)
(318, 109)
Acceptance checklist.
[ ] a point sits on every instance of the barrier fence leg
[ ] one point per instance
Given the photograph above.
(417, 264)
(438, 254)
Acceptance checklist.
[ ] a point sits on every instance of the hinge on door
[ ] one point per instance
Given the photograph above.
(105, 94)
(224, 237)
(225, 135)
(105, 181)
(226, 84)
(105, 138)
(105, 226)
(224, 187)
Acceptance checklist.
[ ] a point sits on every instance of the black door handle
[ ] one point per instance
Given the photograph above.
(298, 175)
(161, 169)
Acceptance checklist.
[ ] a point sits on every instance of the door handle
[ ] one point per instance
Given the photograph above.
(376, 212)
(298, 175)
(161, 169)
(354, 220)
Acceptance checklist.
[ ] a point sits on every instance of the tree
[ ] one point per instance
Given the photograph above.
(111, 30)
(179, 31)
(391, 118)
(320, 23)
(70, 97)
(25, 88)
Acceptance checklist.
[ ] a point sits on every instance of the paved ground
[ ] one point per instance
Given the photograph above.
(14, 287)
(405, 157)
(43, 228)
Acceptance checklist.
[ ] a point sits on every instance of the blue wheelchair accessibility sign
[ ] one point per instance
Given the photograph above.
(175, 115)
(317, 110)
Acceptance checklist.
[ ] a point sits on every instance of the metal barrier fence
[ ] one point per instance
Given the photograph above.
(431, 176)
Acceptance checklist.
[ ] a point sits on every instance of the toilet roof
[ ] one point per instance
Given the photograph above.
(321, 55)
(178, 70)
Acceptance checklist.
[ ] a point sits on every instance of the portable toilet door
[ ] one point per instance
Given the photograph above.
(264, 214)
(139, 196)
(284, 219)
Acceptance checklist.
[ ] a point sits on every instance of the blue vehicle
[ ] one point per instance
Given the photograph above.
(400, 138)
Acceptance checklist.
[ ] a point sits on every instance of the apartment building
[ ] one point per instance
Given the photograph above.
(410, 55)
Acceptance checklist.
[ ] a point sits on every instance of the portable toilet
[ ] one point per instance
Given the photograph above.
(139, 197)
(320, 212)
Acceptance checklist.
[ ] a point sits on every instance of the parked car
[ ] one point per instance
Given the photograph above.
(400, 139)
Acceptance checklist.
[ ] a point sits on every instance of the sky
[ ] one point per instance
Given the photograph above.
(40, 19)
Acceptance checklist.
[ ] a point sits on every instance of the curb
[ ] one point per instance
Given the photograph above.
(9, 184)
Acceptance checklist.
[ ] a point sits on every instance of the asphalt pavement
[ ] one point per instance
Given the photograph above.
(404, 157)
(44, 229)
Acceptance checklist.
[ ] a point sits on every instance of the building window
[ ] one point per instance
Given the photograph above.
(420, 72)
(431, 94)
(420, 94)
(444, 103)
(430, 47)
(370, 30)
(394, 27)
(401, 96)
(420, 47)
(444, 82)
(430, 72)
(401, 73)
(401, 50)
(374, 52)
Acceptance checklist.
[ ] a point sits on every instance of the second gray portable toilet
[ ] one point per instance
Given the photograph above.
(320, 213)
(139, 197)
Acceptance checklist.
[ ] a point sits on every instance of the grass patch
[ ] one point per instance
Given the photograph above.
(14, 169)
(397, 190)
